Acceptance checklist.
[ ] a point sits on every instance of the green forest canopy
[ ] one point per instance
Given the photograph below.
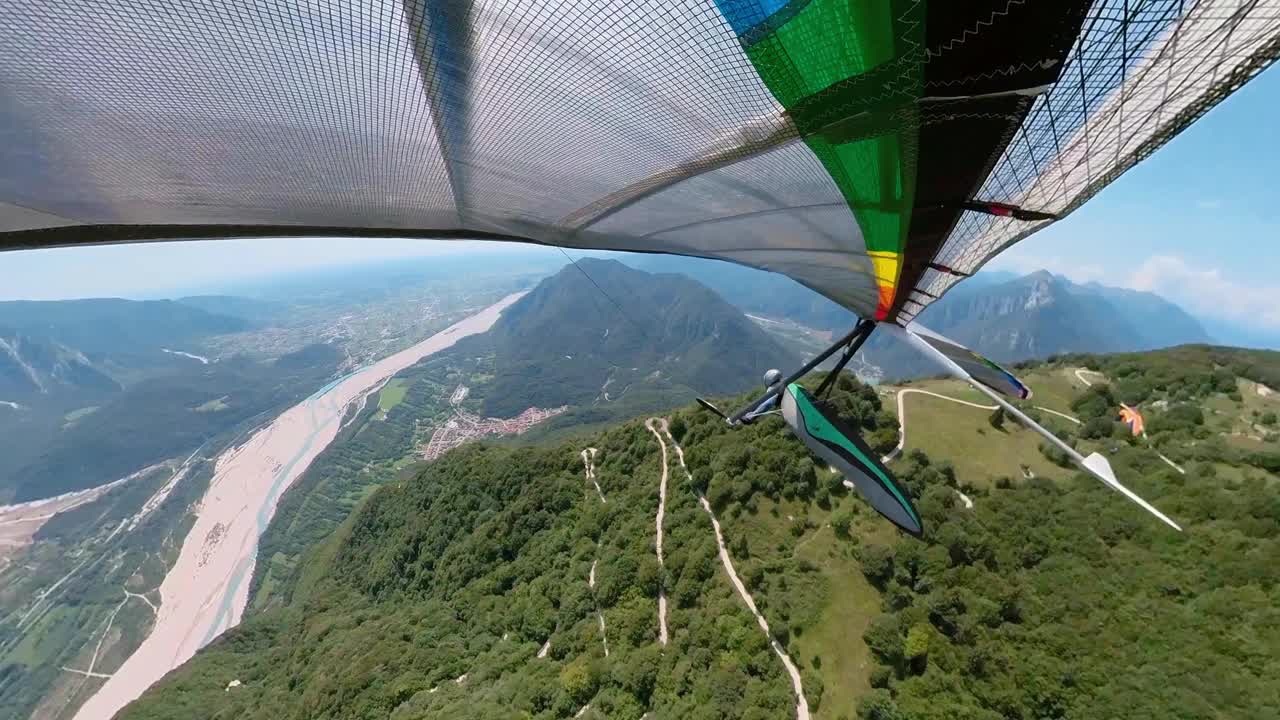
(1045, 600)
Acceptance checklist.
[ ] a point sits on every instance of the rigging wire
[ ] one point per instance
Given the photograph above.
(616, 304)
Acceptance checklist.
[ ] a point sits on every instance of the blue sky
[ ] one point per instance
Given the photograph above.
(1197, 223)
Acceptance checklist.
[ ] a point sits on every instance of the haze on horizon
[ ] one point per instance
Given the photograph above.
(1194, 223)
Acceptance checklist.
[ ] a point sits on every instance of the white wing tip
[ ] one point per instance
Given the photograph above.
(1098, 465)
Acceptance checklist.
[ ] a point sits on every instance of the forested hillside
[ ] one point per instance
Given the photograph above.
(160, 418)
(501, 582)
(599, 364)
(114, 326)
(567, 342)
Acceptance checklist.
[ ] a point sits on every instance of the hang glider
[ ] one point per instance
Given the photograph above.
(876, 152)
(1133, 420)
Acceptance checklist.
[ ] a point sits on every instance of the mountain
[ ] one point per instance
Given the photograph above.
(66, 354)
(1038, 316)
(492, 583)
(753, 291)
(1033, 316)
(999, 314)
(32, 367)
(568, 343)
(253, 311)
(162, 417)
(1159, 323)
(1240, 335)
(114, 326)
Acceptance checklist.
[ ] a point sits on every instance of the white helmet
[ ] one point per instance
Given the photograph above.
(772, 377)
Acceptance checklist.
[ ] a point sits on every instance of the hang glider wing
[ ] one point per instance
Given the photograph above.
(876, 152)
(1133, 420)
(927, 342)
(841, 447)
(974, 365)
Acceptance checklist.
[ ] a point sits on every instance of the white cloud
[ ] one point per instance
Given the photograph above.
(1201, 289)
(1205, 291)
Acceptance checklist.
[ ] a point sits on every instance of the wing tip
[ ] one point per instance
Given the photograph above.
(1100, 467)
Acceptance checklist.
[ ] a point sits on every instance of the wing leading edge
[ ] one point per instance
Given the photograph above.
(842, 448)
(992, 381)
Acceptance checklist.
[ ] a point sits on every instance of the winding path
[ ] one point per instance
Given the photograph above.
(588, 461)
(1064, 416)
(1081, 372)
(802, 704)
(651, 423)
(1169, 462)
(591, 584)
(902, 417)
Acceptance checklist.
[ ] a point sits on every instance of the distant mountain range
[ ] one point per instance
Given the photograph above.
(91, 390)
(567, 342)
(112, 325)
(57, 351)
(753, 291)
(31, 366)
(1002, 315)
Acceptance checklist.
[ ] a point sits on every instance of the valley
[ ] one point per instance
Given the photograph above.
(206, 590)
(588, 584)
(479, 524)
(67, 562)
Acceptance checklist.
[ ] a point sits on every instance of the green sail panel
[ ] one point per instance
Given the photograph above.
(840, 446)
(853, 96)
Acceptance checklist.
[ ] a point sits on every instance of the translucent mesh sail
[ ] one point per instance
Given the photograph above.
(1139, 74)
(843, 144)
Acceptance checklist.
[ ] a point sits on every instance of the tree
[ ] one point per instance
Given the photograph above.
(996, 419)
(578, 680)
(878, 705)
(678, 428)
(877, 563)
(1055, 455)
(916, 648)
(1269, 418)
(1095, 402)
(1097, 428)
(841, 523)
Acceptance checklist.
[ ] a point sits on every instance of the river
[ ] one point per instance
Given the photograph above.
(206, 590)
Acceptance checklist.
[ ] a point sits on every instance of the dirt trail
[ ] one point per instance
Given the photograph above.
(1169, 462)
(651, 423)
(1080, 375)
(588, 461)
(802, 704)
(902, 417)
(1064, 416)
(591, 584)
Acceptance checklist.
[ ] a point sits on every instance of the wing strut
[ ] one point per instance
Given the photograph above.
(851, 342)
(1095, 464)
